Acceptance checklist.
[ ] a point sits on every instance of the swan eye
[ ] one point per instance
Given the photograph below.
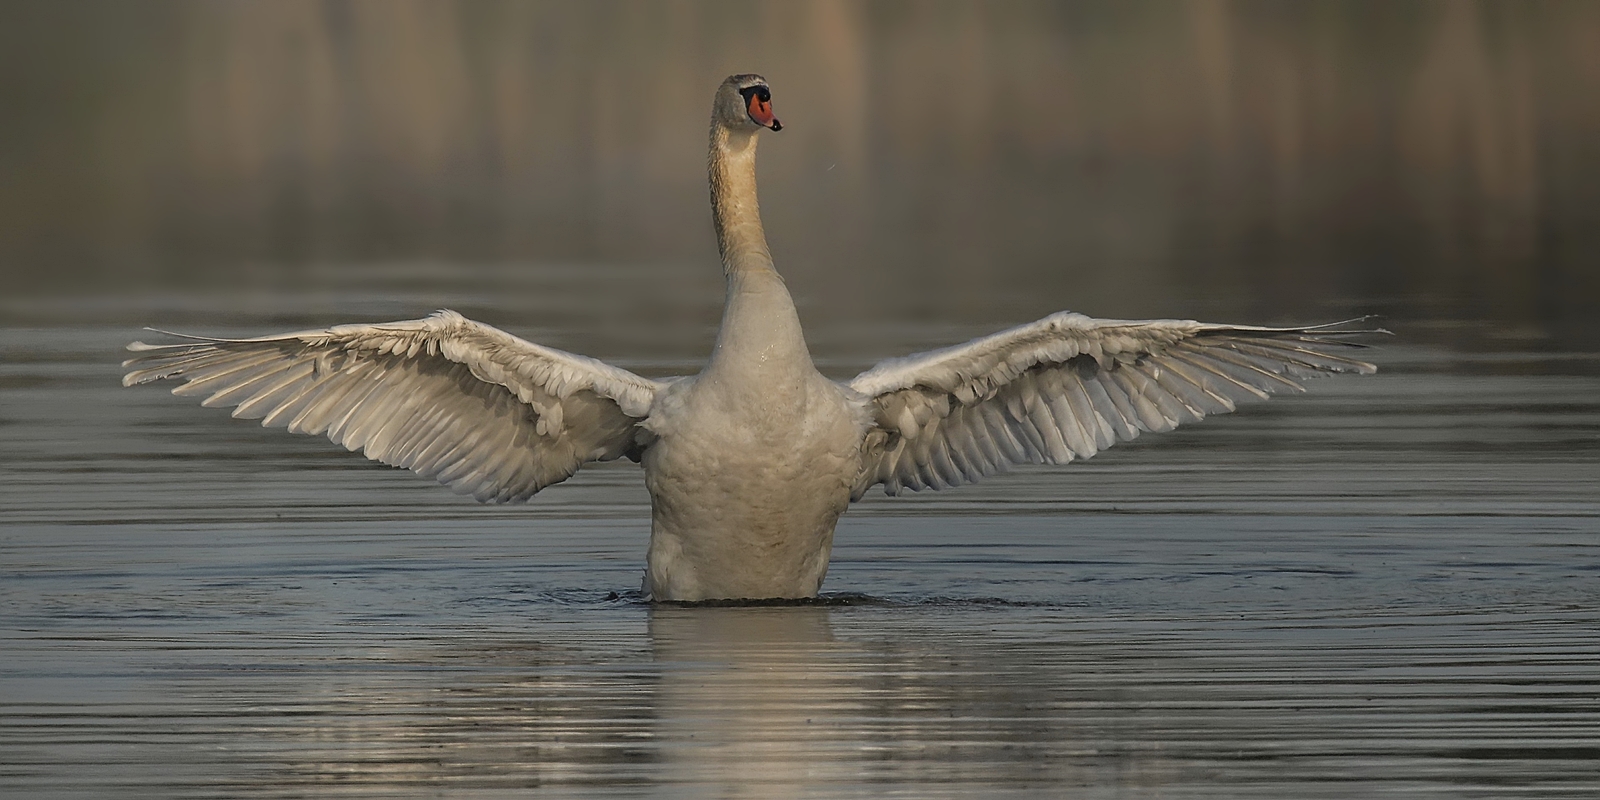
(755, 93)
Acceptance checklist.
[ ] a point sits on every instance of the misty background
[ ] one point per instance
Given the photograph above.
(1434, 162)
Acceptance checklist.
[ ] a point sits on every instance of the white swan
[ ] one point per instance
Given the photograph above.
(750, 463)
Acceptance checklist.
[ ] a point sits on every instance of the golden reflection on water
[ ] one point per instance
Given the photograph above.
(754, 702)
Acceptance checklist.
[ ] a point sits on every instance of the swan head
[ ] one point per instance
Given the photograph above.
(744, 102)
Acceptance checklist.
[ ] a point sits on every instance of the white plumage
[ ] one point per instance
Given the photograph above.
(1069, 386)
(750, 463)
(476, 408)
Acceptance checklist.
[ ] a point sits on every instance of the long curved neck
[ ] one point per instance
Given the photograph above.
(732, 165)
(760, 338)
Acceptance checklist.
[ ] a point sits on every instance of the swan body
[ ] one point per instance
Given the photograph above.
(750, 463)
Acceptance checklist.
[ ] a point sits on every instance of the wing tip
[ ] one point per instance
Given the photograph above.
(190, 336)
(139, 377)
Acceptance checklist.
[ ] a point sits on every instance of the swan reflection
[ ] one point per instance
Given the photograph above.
(753, 700)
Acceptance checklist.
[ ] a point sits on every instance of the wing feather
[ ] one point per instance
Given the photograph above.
(1010, 448)
(1039, 413)
(1072, 432)
(1068, 386)
(1127, 415)
(473, 407)
(1077, 405)
(1221, 377)
(1178, 401)
(1158, 407)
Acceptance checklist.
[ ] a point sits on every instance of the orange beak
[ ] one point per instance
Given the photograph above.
(761, 111)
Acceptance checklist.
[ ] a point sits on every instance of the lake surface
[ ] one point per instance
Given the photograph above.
(1388, 586)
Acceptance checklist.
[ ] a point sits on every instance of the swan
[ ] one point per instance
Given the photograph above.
(750, 463)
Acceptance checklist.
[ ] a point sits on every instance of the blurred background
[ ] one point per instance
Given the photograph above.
(1435, 162)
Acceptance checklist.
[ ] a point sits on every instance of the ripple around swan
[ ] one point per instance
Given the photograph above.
(1338, 595)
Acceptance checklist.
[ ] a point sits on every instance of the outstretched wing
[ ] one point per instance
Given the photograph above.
(1069, 386)
(471, 406)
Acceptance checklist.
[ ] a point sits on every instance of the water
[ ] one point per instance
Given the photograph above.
(1387, 586)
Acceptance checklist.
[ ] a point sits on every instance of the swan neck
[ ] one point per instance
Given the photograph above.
(735, 210)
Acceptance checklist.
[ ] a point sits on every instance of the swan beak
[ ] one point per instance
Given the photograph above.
(761, 111)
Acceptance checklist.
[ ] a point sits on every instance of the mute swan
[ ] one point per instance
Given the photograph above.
(750, 463)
